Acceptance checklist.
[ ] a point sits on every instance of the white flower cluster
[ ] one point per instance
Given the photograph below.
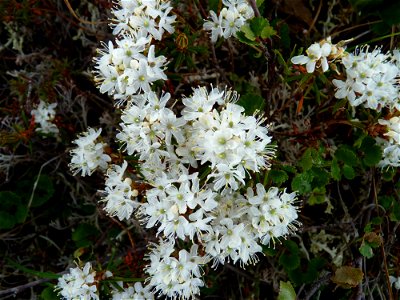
(144, 18)
(78, 284)
(241, 221)
(131, 66)
(391, 145)
(319, 55)
(371, 79)
(137, 291)
(44, 115)
(119, 194)
(194, 164)
(232, 17)
(89, 154)
(175, 277)
(213, 133)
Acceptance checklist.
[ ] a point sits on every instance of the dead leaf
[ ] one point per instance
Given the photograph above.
(348, 277)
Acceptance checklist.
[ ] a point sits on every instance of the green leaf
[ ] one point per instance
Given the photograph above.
(386, 201)
(286, 291)
(12, 210)
(289, 169)
(84, 235)
(267, 32)
(43, 192)
(372, 152)
(298, 276)
(349, 172)
(251, 103)
(242, 38)
(335, 169)
(278, 176)
(318, 196)
(269, 251)
(258, 24)
(306, 160)
(248, 32)
(388, 174)
(7, 221)
(259, 2)
(320, 177)
(290, 259)
(346, 155)
(366, 250)
(48, 294)
(302, 183)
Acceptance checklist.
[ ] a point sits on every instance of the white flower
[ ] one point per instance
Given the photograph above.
(370, 80)
(317, 53)
(88, 155)
(214, 25)
(135, 292)
(393, 129)
(118, 193)
(175, 276)
(78, 284)
(232, 17)
(44, 115)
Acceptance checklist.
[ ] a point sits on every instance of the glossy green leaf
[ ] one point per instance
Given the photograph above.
(257, 25)
(286, 291)
(348, 172)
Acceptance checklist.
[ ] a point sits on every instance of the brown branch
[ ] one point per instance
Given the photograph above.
(385, 265)
(316, 286)
(18, 289)
(253, 5)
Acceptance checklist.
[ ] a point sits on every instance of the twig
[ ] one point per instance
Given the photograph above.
(238, 271)
(38, 177)
(321, 281)
(360, 294)
(216, 64)
(316, 16)
(19, 289)
(78, 18)
(382, 246)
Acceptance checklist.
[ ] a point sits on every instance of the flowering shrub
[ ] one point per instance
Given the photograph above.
(217, 156)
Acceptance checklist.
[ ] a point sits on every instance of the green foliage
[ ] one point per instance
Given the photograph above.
(251, 103)
(13, 210)
(290, 258)
(84, 235)
(278, 176)
(258, 29)
(43, 189)
(370, 241)
(286, 291)
(48, 294)
(308, 272)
